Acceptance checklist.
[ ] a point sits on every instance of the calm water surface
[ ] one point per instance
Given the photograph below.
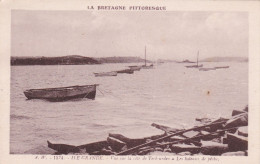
(169, 94)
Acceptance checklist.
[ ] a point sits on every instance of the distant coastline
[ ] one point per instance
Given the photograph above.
(118, 59)
(72, 60)
(218, 59)
(82, 60)
(64, 60)
(225, 59)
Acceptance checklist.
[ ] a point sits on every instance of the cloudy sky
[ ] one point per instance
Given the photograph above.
(167, 35)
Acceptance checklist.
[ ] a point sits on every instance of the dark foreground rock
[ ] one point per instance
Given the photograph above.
(237, 142)
(222, 136)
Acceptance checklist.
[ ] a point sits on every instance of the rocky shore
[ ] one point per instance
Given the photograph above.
(217, 137)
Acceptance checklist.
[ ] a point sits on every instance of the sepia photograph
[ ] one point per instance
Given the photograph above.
(129, 83)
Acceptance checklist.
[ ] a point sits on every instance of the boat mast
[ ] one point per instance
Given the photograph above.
(145, 55)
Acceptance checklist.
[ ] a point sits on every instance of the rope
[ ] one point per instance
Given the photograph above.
(100, 91)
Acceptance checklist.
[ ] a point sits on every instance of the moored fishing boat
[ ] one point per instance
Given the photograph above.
(221, 67)
(135, 68)
(194, 66)
(197, 65)
(129, 71)
(62, 93)
(146, 66)
(113, 73)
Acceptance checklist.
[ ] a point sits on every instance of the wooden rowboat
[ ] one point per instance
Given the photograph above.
(62, 93)
(129, 71)
(113, 73)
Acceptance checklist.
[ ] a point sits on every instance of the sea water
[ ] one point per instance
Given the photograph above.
(169, 94)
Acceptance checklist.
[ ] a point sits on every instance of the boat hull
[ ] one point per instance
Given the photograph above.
(135, 68)
(128, 71)
(147, 66)
(63, 93)
(222, 67)
(194, 66)
(106, 74)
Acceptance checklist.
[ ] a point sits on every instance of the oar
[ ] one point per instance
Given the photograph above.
(174, 134)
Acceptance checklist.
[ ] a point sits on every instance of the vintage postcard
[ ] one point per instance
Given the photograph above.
(131, 81)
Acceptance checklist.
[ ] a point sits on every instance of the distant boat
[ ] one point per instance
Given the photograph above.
(221, 67)
(113, 73)
(159, 62)
(128, 71)
(195, 66)
(214, 68)
(62, 93)
(135, 68)
(146, 66)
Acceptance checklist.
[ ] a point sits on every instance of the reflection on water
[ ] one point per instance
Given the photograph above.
(170, 94)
